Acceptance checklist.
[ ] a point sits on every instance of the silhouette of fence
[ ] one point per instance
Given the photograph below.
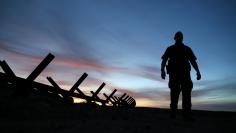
(24, 86)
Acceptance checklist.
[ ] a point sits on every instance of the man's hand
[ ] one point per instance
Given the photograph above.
(163, 74)
(198, 76)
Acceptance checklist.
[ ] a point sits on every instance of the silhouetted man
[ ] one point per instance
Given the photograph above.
(179, 57)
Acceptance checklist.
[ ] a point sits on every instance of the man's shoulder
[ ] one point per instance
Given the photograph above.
(171, 47)
(187, 48)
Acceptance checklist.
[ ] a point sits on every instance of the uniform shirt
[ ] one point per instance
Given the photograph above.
(178, 56)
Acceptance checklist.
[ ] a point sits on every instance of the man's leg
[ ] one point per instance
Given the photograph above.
(174, 94)
(175, 90)
(186, 99)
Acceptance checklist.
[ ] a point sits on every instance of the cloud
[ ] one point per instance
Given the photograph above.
(44, 29)
(220, 88)
(231, 106)
(150, 72)
(30, 35)
(156, 94)
(85, 64)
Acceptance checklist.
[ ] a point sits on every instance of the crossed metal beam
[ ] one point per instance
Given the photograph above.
(29, 82)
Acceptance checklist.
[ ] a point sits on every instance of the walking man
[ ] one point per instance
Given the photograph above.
(179, 57)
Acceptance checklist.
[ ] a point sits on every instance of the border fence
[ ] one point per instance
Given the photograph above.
(23, 87)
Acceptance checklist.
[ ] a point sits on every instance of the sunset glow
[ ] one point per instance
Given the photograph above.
(120, 42)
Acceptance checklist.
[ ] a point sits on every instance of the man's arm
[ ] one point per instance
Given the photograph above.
(192, 59)
(163, 64)
(195, 66)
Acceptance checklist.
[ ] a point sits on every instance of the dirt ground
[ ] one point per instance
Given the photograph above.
(45, 114)
(71, 119)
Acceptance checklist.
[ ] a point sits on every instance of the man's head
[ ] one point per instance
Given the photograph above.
(178, 36)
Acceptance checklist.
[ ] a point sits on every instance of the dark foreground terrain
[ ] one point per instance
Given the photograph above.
(45, 118)
(45, 114)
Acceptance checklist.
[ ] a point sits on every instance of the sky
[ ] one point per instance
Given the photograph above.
(120, 42)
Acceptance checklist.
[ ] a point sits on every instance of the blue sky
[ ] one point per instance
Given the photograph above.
(121, 42)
